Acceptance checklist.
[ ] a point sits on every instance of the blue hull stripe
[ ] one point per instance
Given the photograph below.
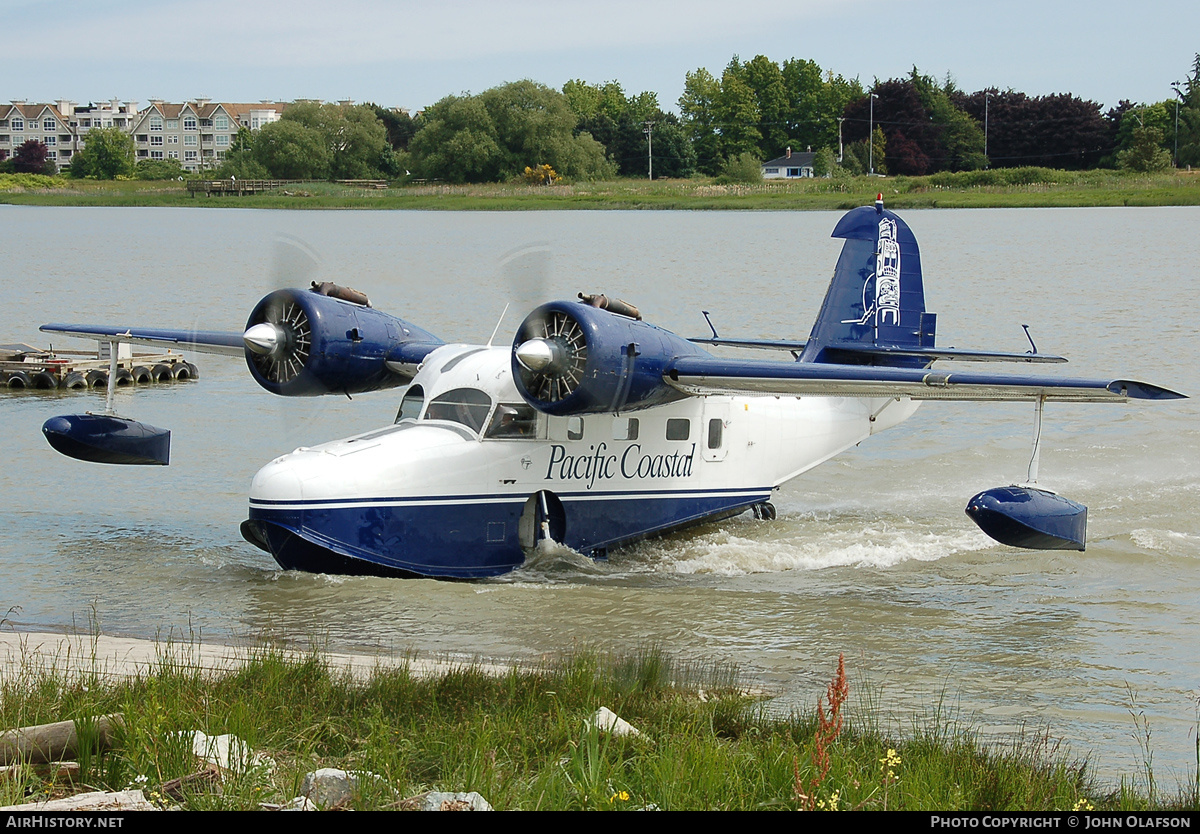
(468, 536)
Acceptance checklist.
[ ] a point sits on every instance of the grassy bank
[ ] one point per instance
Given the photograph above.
(1020, 187)
(521, 740)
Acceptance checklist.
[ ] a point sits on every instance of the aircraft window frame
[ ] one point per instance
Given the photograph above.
(625, 428)
(513, 421)
(407, 399)
(471, 409)
(716, 433)
(575, 428)
(679, 428)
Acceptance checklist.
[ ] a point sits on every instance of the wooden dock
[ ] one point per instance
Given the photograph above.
(24, 366)
(236, 187)
(242, 187)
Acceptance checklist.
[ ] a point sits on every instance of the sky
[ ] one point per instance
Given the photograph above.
(410, 54)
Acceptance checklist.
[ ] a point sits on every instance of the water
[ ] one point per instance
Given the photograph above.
(871, 554)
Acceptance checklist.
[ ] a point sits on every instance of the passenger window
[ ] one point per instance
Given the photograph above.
(513, 420)
(468, 406)
(625, 428)
(679, 429)
(574, 428)
(716, 428)
(410, 406)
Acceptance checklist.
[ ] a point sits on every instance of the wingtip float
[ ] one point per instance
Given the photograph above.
(595, 428)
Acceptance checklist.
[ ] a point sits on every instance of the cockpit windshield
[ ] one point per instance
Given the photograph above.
(468, 406)
(410, 406)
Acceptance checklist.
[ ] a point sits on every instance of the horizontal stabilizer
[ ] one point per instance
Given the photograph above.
(203, 341)
(699, 375)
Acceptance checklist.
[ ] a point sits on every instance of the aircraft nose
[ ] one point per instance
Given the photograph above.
(277, 481)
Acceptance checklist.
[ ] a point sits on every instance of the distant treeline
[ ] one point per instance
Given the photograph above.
(753, 112)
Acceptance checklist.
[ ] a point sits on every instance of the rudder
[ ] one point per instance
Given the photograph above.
(876, 297)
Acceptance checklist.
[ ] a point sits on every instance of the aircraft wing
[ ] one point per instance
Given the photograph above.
(204, 341)
(699, 375)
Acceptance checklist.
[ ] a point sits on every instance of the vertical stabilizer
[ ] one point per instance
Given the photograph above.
(876, 298)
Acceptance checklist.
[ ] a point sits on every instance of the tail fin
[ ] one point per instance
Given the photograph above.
(876, 299)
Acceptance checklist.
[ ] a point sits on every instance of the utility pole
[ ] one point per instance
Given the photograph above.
(986, 96)
(649, 131)
(841, 150)
(871, 139)
(1175, 87)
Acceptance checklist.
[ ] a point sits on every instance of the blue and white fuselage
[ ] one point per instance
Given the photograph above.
(469, 477)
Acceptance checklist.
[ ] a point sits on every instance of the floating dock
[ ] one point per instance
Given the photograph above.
(25, 366)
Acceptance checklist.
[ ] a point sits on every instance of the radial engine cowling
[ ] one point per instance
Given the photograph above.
(572, 358)
(300, 343)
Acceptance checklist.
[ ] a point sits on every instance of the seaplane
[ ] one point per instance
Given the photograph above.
(594, 428)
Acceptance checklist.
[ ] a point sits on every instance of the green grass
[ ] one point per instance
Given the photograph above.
(1013, 187)
(520, 739)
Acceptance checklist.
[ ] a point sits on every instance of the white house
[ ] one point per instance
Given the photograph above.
(789, 166)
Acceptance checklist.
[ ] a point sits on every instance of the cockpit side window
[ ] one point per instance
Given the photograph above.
(410, 406)
(513, 420)
(468, 406)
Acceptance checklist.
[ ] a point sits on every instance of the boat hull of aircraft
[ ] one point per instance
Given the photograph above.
(398, 539)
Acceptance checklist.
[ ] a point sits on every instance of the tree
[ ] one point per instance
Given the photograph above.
(30, 157)
(765, 79)
(737, 114)
(743, 168)
(107, 153)
(698, 104)
(674, 155)
(1189, 118)
(1055, 131)
(457, 142)
(493, 136)
(289, 150)
(763, 107)
(399, 125)
(1145, 152)
(1132, 121)
(618, 122)
(824, 162)
(353, 136)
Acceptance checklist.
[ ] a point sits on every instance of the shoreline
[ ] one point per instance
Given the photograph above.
(123, 658)
(1003, 188)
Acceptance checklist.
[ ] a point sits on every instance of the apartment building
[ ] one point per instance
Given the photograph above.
(197, 133)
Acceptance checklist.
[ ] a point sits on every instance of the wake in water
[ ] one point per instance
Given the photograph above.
(795, 541)
(804, 541)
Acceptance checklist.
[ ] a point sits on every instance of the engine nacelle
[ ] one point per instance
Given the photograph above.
(572, 358)
(301, 343)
